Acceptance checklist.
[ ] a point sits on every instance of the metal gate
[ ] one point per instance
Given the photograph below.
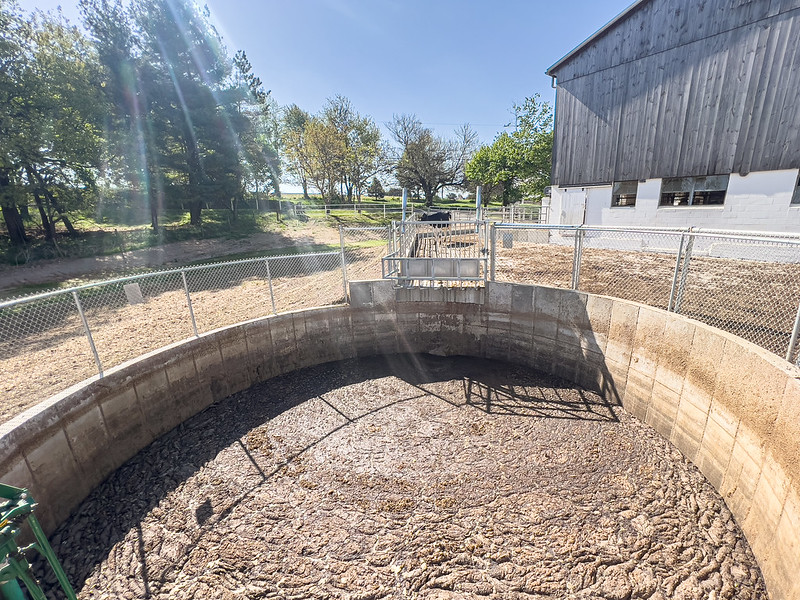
(424, 251)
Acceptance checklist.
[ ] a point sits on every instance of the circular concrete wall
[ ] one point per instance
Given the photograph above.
(729, 406)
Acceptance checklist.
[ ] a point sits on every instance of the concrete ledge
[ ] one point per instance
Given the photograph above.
(729, 406)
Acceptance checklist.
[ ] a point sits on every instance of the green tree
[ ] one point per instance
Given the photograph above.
(256, 125)
(14, 61)
(518, 164)
(326, 151)
(61, 172)
(50, 148)
(338, 150)
(131, 125)
(194, 126)
(376, 189)
(293, 125)
(429, 162)
(363, 153)
(183, 69)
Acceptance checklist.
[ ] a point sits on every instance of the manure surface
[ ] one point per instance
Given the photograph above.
(409, 477)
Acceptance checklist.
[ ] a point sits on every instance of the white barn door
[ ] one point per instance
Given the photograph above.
(573, 206)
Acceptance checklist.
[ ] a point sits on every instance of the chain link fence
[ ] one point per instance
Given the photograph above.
(363, 248)
(51, 341)
(532, 255)
(637, 266)
(747, 284)
(43, 349)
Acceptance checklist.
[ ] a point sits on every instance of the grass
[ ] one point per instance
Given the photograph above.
(283, 251)
(349, 219)
(115, 232)
(106, 237)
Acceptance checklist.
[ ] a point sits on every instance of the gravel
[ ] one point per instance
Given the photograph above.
(409, 477)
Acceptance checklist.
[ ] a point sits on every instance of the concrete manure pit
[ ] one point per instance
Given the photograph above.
(408, 476)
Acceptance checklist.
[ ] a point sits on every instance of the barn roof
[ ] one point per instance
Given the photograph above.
(597, 34)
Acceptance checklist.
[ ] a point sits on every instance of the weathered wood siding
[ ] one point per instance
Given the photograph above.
(682, 88)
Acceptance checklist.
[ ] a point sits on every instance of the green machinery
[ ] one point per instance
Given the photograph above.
(16, 508)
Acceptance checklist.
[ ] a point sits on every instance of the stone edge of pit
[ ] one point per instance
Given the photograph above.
(730, 407)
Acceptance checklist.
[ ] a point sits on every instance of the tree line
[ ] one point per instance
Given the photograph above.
(339, 151)
(146, 104)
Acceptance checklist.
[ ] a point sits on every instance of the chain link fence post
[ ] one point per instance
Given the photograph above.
(687, 257)
(492, 251)
(88, 333)
(189, 303)
(576, 258)
(269, 283)
(673, 289)
(344, 263)
(795, 333)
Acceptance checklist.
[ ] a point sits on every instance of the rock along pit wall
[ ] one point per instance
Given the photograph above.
(729, 406)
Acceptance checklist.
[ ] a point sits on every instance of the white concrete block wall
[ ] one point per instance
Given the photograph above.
(554, 207)
(755, 202)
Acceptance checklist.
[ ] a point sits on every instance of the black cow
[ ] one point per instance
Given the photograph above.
(438, 218)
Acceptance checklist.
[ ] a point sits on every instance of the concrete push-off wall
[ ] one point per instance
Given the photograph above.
(729, 406)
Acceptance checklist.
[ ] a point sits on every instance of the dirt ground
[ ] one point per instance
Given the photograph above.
(408, 477)
(755, 300)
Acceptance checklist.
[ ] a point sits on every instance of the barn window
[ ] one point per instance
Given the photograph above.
(796, 195)
(623, 193)
(694, 191)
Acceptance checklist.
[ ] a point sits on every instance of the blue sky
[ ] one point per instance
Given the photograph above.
(449, 62)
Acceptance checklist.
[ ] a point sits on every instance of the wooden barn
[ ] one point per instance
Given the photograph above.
(682, 113)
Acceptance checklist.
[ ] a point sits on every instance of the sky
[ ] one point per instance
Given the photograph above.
(448, 62)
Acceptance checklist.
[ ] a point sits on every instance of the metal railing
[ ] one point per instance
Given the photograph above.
(514, 213)
(747, 283)
(386, 209)
(425, 251)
